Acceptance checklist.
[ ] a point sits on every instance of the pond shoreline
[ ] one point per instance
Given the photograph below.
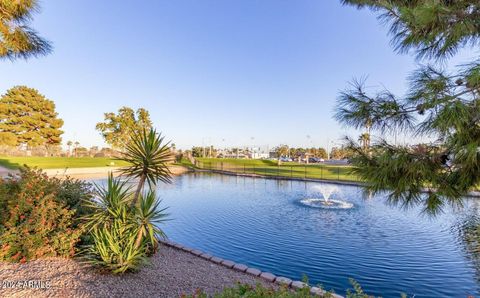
(266, 276)
(102, 172)
(473, 194)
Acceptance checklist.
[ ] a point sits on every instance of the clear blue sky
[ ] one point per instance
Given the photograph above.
(208, 70)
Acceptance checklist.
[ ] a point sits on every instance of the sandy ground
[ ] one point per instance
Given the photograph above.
(87, 173)
(171, 273)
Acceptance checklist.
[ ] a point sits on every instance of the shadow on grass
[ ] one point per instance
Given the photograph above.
(9, 165)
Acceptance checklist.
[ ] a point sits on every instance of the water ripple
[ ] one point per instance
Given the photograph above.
(261, 223)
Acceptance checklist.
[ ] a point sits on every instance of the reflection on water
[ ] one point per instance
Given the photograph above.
(261, 223)
(468, 231)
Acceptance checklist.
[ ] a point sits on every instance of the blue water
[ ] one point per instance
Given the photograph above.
(263, 224)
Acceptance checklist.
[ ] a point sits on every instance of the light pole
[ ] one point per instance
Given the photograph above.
(253, 149)
(329, 142)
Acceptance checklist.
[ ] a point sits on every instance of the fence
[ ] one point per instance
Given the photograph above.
(287, 170)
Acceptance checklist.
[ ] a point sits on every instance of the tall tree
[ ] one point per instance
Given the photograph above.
(17, 39)
(322, 153)
(439, 104)
(29, 118)
(117, 129)
(281, 151)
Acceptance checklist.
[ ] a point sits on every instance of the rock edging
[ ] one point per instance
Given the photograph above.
(267, 276)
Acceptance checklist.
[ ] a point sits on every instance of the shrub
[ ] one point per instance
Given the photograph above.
(39, 216)
(114, 247)
(259, 291)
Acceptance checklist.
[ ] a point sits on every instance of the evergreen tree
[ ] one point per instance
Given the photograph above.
(439, 104)
(117, 129)
(28, 118)
(17, 39)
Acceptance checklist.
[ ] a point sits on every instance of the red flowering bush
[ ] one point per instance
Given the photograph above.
(38, 217)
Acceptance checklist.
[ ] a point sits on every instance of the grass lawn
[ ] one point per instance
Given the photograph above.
(286, 169)
(58, 162)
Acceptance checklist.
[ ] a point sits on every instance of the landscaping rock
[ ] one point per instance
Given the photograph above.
(317, 291)
(217, 260)
(298, 285)
(206, 256)
(228, 263)
(254, 271)
(283, 281)
(240, 267)
(197, 252)
(268, 276)
(171, 273)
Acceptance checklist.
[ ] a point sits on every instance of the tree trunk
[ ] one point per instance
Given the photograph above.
(141, 183)
(139, 238)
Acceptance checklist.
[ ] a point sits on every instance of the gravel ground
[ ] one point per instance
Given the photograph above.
(171, 273)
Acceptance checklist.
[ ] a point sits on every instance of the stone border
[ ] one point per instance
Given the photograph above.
(267, 276)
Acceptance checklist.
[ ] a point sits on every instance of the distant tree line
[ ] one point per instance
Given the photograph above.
(276, 152)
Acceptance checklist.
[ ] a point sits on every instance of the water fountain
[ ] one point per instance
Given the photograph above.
(326, 190)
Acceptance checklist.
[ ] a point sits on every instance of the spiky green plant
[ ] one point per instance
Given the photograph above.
(148, 217)
(148, 156)
(110, 202)
(114, 246)
(122, 235)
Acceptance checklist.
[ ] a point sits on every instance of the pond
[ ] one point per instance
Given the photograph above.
(274, 225)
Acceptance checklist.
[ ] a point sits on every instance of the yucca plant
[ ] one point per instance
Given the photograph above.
(110, 202)
(148, 157)
(122, 234)
(148, 217)
(114, 246)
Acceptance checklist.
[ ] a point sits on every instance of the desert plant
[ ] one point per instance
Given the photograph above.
(124, 224)
(148, 217)
(114, 246)
(122, 235)
(148, 156)
(109, 202)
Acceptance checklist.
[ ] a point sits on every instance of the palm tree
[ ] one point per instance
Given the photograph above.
(364, 139)
(69, 144)
(18, 40)
(77, 143)
(148, 157)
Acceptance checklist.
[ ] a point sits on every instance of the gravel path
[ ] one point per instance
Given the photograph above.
(171, 273)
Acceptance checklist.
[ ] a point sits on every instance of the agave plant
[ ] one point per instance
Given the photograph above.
(148, 157)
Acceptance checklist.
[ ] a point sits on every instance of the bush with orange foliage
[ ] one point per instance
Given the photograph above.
(39, 216)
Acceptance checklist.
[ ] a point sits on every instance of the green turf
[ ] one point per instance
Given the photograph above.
(58, 162)
(286, 169)
(184, 162)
